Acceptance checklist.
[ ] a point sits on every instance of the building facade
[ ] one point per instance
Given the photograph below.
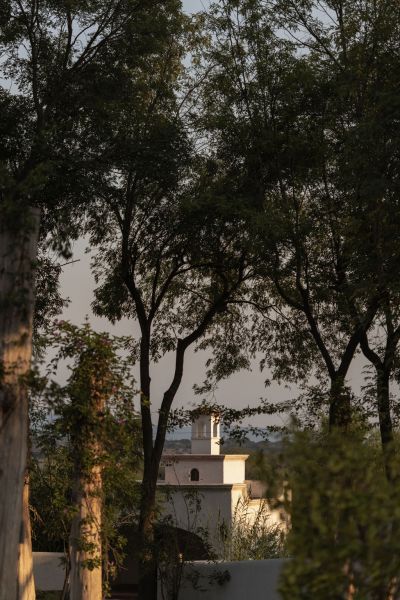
(205, 490)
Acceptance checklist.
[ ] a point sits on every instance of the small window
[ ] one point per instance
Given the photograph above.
(194, 475)
(215, 429)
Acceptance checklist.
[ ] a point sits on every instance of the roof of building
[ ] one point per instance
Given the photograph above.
(216, 457)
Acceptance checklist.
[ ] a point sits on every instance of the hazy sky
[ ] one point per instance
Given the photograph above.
(194, 5)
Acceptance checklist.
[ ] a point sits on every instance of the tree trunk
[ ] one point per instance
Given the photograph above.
(147, 558)
(26, 584)
(383, 398)
(18, 252)
(340, 405)
(85, 540)
(385, 419)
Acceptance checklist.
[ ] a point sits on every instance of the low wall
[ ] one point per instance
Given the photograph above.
(247, 579)
(48, 571)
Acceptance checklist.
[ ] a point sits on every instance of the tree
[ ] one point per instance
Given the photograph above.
(381, 351)
(292, 121)
(89, 453)
(62, 63)
(165, 256)
(367, 81)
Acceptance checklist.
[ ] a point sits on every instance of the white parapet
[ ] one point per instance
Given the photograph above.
(231, 580)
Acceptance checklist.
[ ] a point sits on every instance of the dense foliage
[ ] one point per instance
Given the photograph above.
(345, 519)
(64, 424)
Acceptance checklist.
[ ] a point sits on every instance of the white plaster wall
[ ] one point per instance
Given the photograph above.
(275, 517)
(214, 507)
(178, 472)
(48, 571)
(206, 446)
(234, 470)
(258, 579)
(238, 494)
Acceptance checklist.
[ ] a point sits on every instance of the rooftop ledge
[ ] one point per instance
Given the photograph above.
(207, 456)
(197, 484)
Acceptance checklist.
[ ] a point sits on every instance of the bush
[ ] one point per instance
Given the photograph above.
(251, 536)
(345, 518)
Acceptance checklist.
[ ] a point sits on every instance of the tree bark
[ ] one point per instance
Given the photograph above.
(85, 540)
(383, 369)
(18, 252)
(148, 566)
(26, 584)
(385, 419)
(340, 405)
(383, 397)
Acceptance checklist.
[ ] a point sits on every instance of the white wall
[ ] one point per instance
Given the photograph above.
(177, 469)
(215, 506)
(234, 469)
(48, 571)
(212, 469)
(238, 495)
(256, 579)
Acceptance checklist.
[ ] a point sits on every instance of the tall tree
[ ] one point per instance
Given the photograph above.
(165, 256)
(61, 62)
(358, 45)
(292, 119)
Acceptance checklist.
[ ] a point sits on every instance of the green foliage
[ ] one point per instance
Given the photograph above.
(251, 536)
(302, 129)
(49, 303)
(50, 499)
(267, 467)
(345, 519)
(70, 437)
(65, 67)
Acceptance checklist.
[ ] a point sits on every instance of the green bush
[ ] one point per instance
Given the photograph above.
(251, 537)
(345, 517)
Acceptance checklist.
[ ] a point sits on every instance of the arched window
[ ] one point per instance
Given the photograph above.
(215, 429)
(194, 475)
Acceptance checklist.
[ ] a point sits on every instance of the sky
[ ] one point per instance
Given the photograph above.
(194, 5)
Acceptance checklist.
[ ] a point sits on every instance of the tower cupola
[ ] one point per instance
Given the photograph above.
(206, 434)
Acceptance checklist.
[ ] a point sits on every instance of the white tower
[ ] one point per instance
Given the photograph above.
(206, 434)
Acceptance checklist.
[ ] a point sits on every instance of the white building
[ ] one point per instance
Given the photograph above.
(205, 488)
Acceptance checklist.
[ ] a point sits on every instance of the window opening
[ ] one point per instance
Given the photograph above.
(194, 475)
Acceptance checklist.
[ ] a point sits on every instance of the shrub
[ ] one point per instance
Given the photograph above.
(345, 519)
